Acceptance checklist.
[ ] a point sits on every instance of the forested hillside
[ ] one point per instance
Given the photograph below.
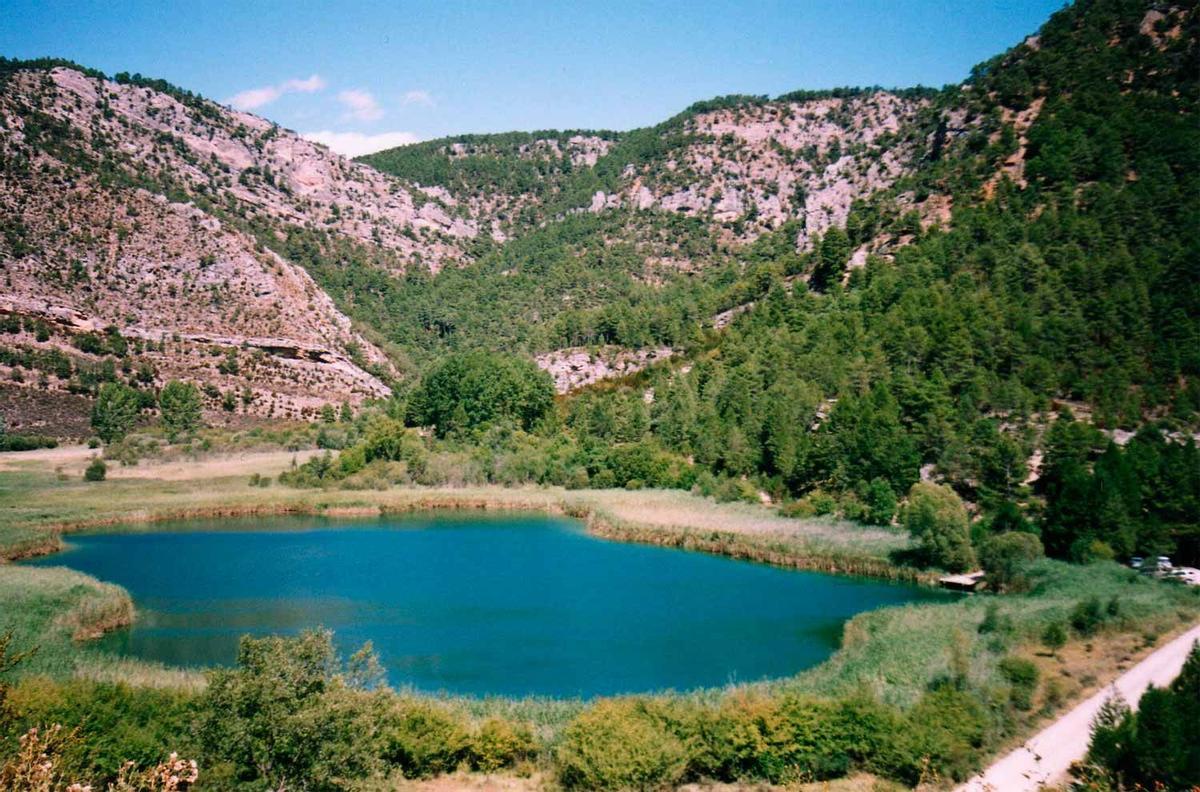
(831, 296)
(1016, 315)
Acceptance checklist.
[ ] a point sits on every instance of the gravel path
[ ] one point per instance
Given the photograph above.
(73, 459)
(1045, 758)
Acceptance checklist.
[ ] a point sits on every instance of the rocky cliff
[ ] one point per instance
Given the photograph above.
(139, 213)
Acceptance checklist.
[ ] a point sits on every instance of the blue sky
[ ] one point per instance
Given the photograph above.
(375, 73)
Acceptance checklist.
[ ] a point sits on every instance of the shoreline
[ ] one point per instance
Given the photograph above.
(599, 519)
(893, 652)
(725, 543)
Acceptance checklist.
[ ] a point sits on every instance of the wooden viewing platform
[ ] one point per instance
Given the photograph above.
(965, 582)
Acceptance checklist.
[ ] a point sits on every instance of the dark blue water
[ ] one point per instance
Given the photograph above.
(512, 605)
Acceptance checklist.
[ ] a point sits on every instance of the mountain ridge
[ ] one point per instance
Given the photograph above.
(649, 239)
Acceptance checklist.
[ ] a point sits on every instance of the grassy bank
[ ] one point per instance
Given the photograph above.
(917, 694)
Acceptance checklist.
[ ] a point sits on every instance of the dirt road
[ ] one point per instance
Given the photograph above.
(71, 460)
(1045, 758)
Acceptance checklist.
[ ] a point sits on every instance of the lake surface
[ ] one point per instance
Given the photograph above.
(513, 605)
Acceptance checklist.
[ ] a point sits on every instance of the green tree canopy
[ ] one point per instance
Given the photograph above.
(180, 405)
(279, 717)
(1157, 747)
(115, 411)
(937, 519)
(1005, 556)
(470, 389)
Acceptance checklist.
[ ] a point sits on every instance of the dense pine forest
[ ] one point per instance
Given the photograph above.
(1054, 317)
(1016, 316)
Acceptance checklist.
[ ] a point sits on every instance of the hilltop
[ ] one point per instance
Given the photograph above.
(826, 292)
(149, 225)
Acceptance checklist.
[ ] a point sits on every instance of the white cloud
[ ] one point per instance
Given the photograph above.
(354, 144)
(360, 105)
(255, 98)
(311, 85)
(418, 97)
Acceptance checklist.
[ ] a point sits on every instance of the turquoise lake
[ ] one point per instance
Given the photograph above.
(481, 605)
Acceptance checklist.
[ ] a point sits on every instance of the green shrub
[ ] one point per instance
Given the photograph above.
(821, 503)
(947, 727)
(1087, 616)
(937, 520)
(180, 405)
(96, 471)
(500, 743)
(1022, 674)
(620, 744)
(1005, 556)
(735, 490)
(115, 411)
(880, 502)
(991, 619)
(24, 442)
(818, 749)
(131, 449)
(112, 723)
(748, 736)
(791, 738)
(389, 440)
(423, 739)
(284, 716)
(1054, 637)
(331, 439)
(577, 479)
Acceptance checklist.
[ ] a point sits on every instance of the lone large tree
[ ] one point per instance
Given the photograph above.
(937, 519)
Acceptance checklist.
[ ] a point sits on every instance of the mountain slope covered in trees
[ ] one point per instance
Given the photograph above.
(993, 286)
(1015, 314)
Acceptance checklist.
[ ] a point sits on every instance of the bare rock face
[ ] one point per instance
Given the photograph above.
(578, 367)
(744, 170)
(238, 156)
(185, 227)
(750, 169)
(95, 246)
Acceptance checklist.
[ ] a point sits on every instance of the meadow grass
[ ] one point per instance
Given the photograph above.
(56, 611)
(896, 652)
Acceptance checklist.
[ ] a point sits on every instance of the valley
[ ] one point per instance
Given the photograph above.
(866, 336)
